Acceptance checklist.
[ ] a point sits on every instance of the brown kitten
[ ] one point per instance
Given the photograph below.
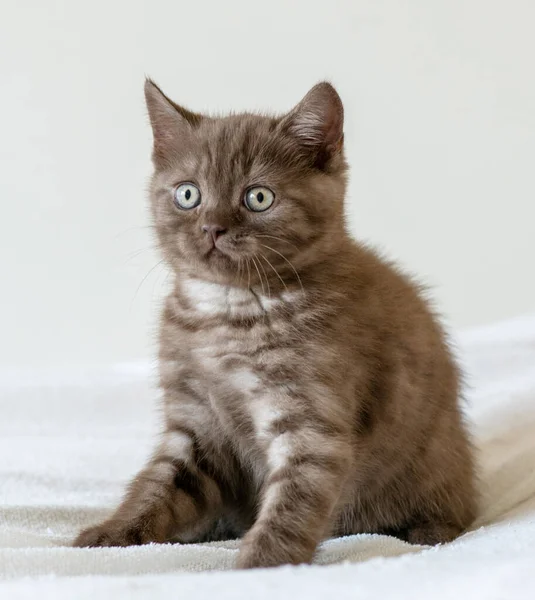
(308, 389)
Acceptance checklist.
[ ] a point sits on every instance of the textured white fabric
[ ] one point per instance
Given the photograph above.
(69, 441)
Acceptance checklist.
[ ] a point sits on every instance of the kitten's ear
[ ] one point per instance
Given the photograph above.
(317, 123)
(170, 122)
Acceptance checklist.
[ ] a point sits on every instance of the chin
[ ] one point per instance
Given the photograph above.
(221, 264)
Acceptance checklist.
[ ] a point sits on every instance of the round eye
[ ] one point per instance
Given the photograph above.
(259, 198)
(187, 196)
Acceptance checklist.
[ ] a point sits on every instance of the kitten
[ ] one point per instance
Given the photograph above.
(308, 389)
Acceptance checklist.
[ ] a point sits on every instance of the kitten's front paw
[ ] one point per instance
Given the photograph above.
(262, 549)
(431, 534)
(111, 533)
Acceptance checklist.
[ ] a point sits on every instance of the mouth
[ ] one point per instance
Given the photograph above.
(224, 251)
(215, 253)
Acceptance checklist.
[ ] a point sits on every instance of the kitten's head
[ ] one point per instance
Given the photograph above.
(243, 194)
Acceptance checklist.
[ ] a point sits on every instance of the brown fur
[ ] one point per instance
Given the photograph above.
(308, 389)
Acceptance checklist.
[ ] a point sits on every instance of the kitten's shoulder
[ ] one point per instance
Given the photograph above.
(361, 266)
(367, 281)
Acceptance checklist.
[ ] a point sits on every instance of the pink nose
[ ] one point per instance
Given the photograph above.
(214, 230)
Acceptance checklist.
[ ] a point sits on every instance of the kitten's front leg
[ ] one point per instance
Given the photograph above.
(170, 496)
(307, 473)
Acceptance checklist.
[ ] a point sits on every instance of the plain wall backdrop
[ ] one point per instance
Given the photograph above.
(440, 130)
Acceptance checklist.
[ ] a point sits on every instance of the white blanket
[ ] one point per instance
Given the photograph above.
(69, 441)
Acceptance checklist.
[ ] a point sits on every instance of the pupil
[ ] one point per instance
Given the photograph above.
(260, 197)
(187, 194)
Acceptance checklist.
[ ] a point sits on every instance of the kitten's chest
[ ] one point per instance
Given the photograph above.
(246, 385)
(236, 327)
(245, 360)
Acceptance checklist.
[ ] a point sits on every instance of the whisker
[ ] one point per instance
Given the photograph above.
(136, 253)
(277, 238)
(169, 271)
(275, 270)
(240, 274)
(292, 267)
(237, 274)
(157, 282)
(267, 278)
(259, 276)
(145, 278)
(248, 273)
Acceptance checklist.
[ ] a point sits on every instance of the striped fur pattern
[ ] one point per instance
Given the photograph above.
(308, 389)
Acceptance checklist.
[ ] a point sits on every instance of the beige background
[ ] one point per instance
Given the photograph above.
(440, 130)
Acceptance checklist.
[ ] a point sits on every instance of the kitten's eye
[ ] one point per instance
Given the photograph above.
(259, 198)
(187, 196)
